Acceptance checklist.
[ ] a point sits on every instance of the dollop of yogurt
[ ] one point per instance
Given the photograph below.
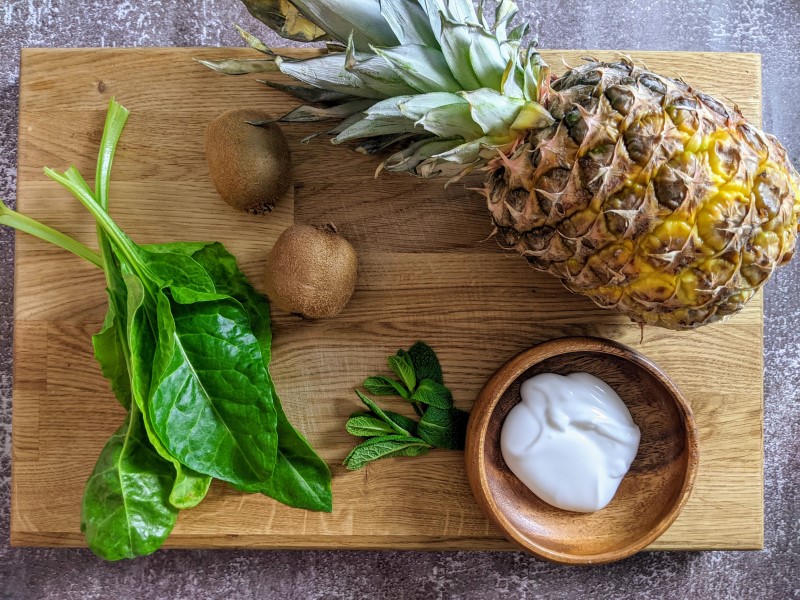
(571, 440)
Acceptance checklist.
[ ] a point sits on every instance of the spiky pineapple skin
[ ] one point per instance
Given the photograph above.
(648, 197)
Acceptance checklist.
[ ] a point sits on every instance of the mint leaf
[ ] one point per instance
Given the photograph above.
(383, 386)
(382, 415)
(426, 365)
(387, 446)
(368, 426)
(391, 434)
(433, 394)
(410, 425)
(402, 366)
(444, 428)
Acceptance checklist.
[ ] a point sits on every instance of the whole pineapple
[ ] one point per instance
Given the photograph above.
(648, 197)
(637, 191)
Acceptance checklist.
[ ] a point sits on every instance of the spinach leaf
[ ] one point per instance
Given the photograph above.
(387, 446)
(444, 428)
(111, 344)
(383, 386)
(426, 364)
(109, 351)
(177, 270)
(186, 347)
(185, 248)
(433, 394)
(126, 510)
(210, 397)
(190, 486)
(301, 478)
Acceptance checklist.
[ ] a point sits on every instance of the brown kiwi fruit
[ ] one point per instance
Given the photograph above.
(311, 271)
(251, 166)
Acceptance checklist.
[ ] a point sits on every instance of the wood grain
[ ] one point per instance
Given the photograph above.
(426, 273)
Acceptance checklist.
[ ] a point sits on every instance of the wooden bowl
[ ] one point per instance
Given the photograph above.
(650, 496)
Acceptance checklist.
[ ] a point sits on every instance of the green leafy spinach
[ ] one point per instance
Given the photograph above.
(186, 347)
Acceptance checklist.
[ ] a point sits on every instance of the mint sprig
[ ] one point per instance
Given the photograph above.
(388, 434)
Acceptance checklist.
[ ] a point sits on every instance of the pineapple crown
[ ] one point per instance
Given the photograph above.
(432, 75)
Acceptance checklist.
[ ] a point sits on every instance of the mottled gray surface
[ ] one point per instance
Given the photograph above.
(768, 27)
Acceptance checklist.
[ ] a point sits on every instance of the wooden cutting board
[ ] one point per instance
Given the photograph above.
(427, 272)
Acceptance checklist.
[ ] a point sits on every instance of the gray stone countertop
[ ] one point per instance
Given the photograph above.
(769, 27)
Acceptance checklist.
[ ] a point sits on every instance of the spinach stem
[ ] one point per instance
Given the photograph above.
(112, 131)
(74, 182)
(25, 224)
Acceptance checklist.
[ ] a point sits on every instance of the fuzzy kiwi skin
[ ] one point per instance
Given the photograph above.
(251, 166)
(311, 271)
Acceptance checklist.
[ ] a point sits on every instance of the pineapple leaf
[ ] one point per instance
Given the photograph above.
(388, 108)
(233, 66)
(253, 41)
(482, 21)
(375, 145)
(308, 114)
(340, 18)
(536, 77)
(487, 60)
(491, 111)
(408, 158)
(327, 72)
(408, 22)
(470, 152)
(283, 17)
(452, 120)
(375, 72)
(307, 94)
(532, 116)
(345, 123)
(519, 32)
(505, 12)
(512, 82)
(456, 40)
(444, 79)
(434, 10)
(462, 11)
(434, 167)
(424, 69)
(367, 127)
(416, 107)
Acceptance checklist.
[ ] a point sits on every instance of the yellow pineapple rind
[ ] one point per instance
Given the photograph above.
(648, 197)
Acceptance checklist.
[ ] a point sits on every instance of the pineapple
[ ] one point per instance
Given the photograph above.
(636, 190)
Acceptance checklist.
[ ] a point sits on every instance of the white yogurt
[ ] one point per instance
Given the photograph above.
(571, 440)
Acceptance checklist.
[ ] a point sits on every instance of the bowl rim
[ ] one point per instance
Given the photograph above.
(487, 401)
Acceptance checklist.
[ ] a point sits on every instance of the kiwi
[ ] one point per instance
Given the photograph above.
(311, 271)
(250, 165)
